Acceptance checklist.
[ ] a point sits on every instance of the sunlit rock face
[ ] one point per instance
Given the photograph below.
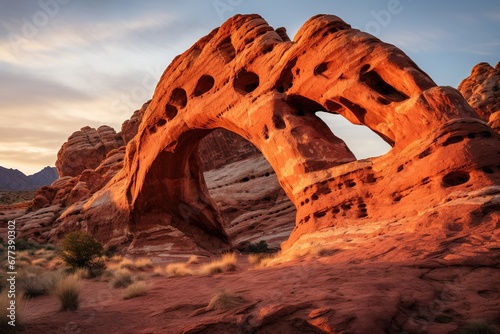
(482, 91)
(440, 178)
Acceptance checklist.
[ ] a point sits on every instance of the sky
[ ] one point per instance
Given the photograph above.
(66, 64)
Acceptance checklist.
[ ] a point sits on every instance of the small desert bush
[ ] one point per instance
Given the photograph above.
(5, 303)
(178, 270)
(136, 289)
(258, 247)
(479, 327)
(81, 250)
(121, 278)
(68, 292)
(224, 301)
(225, 264)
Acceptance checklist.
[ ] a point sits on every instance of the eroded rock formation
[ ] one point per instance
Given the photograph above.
(442, 173)
(482, 91)
(86, 149)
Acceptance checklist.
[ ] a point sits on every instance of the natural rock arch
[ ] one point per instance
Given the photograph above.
(251, 80)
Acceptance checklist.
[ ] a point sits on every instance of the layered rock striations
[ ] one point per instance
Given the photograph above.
(440, 179)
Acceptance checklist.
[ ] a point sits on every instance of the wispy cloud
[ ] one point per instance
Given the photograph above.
(422, 41)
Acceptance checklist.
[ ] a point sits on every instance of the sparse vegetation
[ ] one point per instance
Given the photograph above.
(121, 278)
(226, 263)
(178, 270)
(13, 197)
(81, 250)
(68, 292)
(224, 301)
(136, 289)
(193, 259)
(258, 247)
(33, 282)
(260, 260)
(479, 327)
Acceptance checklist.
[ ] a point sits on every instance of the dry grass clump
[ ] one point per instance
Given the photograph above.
(68, 292)
(33, 282)
(260, 260)
(121, 278)
(225, 264)
(178, 270)
(5, 313)
(193, 259)
(138, 264)
(143, 263)
(136, 289)
(224, 301)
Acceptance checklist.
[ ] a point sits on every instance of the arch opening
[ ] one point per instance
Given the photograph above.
(245, 191)
(360, 139)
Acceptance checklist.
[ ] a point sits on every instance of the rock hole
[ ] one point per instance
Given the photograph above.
(285, 81)
(426, 180)
(351, 184)
(306, 219)
(371, 178)
(307, 200)
(321, 68)
(373, 80)
(485, 134)
(356, 109)
(397, 198)
(314, 197)
(453, 140)
(161, 122)
(265, 132)
(226, 50)
(303, 104)
(333, 106)
(278, 122)
(400, 168)
(471, 135)
(336, 210)
(246, 82)
(179, 97)
(152, 129)
(488, 170)
(245, 179)
(205, 83)
(319, 214)
(346, 207)
(425, 153)
(170, 111)
(267, 174)
(455, 178)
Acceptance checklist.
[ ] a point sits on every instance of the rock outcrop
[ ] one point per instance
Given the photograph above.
(86, 149)
(441, 176)
(482, 91)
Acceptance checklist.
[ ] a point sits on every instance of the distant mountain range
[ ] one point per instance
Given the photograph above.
(15, 180)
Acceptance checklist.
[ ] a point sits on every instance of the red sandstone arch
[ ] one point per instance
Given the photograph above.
(247, 78)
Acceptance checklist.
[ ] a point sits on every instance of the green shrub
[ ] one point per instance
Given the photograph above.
(258, 247)
(81, 250)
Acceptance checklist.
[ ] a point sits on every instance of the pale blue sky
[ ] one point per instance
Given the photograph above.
(65, 64)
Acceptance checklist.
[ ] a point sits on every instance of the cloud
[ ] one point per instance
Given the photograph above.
(422, 41)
